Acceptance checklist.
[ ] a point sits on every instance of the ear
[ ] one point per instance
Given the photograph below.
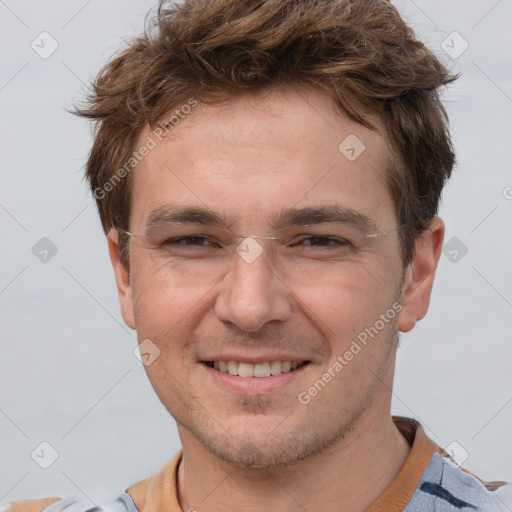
(419, 276)
(122, 273)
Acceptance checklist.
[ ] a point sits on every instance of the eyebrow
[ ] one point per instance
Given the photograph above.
(289, 217)
(325, 214)
(187, 214)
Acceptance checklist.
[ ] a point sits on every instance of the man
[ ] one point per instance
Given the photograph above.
(268, 175)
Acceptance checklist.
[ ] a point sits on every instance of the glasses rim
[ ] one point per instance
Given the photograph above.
(266, 237)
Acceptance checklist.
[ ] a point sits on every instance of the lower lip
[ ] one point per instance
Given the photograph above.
(254, 386)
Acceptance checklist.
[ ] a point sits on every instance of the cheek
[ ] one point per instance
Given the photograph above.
(162, 301)
(348, 299)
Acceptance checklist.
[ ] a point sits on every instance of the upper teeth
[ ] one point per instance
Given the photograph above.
(255, 370)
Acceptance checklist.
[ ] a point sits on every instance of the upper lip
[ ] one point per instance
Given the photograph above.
(254, 359)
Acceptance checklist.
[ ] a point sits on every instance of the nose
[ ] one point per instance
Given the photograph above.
(252, 293)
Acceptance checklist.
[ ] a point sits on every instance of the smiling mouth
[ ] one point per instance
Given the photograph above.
(259, 370)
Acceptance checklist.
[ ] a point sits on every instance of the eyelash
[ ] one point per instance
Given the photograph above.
(338, 242)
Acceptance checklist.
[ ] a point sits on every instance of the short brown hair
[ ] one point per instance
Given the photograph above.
(358, 51)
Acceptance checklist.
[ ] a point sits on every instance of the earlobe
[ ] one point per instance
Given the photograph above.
(419, 276)
(122, 275)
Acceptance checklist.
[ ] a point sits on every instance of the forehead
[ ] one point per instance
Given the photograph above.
(263, 153)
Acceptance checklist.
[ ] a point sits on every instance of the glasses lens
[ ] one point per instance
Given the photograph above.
(206, 254)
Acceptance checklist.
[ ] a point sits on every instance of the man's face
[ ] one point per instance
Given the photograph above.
(302, 300)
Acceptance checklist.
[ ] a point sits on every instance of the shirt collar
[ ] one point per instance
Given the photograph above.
(161, 493)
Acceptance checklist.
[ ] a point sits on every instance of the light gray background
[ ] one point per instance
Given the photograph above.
(68, 373)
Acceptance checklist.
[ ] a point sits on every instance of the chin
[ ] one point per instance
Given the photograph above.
(260, 455)
(264, 448)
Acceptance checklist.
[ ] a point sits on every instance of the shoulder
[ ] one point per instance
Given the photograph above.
(156, 493)
(445, 482)
(31, 505)
(123, 503)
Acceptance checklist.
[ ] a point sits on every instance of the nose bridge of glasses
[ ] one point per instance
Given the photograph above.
(262, 237)
(250, 247)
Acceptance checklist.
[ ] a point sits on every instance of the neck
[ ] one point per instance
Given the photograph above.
(351, 475)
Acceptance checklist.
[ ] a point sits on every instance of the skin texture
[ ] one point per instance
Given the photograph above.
(248, 159)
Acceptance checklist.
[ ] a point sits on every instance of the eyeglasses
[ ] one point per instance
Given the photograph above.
(188, 253)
